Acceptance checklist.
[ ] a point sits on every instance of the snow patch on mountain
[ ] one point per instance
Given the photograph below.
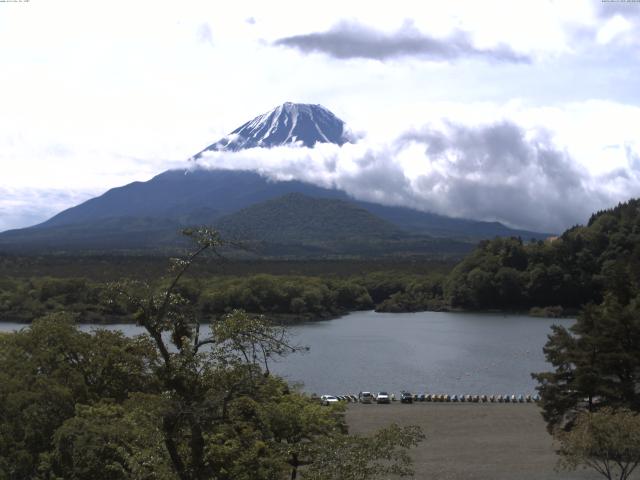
(288, 124)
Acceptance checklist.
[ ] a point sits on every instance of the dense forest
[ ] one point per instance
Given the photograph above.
(283, 297)
(569, 271)
(553, 277)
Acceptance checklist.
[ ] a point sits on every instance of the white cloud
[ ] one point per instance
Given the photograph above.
(497, 171)
(612, 29)
(22, 207)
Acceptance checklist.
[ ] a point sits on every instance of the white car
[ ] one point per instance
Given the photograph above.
(328, 399)
(383, 397)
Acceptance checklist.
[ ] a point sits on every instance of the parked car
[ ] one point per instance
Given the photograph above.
(406, 397)
(365, 397)
(328, 399)
(383, 397)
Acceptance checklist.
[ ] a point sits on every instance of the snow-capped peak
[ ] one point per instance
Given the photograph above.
(300, 123)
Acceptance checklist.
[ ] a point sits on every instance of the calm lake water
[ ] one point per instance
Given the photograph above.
(455, 353)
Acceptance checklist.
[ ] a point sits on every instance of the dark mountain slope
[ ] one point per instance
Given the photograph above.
(435, 225)
(198, 196)
(175, 199)
(296, 219)
(202, 196)
(104, 235)
(298, 225)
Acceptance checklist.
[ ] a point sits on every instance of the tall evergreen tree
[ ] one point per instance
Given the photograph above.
(596, 363)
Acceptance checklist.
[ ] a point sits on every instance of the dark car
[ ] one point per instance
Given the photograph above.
(406, 397)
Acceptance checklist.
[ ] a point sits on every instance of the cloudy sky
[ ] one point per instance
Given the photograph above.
(523, 112)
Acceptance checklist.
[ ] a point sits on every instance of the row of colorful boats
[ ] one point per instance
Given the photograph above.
(438, 397)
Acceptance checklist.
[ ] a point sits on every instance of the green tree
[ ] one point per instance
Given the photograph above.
(364, 457)
(205, 389)
(223, 415)
(46, 370)
(596, 363)
(607, 441)
(108, 441)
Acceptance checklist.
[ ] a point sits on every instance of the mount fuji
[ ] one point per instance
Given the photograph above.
(147, 216)
(289, 123)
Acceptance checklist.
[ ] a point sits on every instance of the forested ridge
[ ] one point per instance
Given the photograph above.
(297, 218)
(568, 271)
(552, 277)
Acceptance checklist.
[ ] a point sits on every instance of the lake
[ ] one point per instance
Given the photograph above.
(455, 353)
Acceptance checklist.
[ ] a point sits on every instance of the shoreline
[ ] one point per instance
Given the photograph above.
(292, 319)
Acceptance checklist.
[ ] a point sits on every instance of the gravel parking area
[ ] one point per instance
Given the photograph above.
(471, 441)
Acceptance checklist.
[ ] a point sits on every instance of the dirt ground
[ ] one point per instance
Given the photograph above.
(471, 441)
